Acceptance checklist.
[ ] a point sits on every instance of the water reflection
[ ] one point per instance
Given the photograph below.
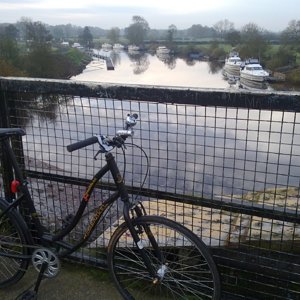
(190, 62)
(167, 59)
(44, 107)
(167, 70)
(215, 67)
(250, 84)
(116, 57)
(140, 62)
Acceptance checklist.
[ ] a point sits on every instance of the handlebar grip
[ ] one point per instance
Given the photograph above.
(81, 144)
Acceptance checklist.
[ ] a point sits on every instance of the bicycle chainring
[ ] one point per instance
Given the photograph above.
(42, 255)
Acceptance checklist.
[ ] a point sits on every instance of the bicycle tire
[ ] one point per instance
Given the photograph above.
(13, 241)
(189, 271)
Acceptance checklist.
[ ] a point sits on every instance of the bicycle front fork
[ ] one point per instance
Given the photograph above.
(144, 228)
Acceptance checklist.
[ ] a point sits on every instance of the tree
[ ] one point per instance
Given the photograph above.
(216, 52)
(86, 38)
(283, 57)
(9, 51)
(198, 31)
(253, 40)
(171, 32)
(137, 31)
(37, 33)
(223, 27)
(40, 63)
(113, 35)
(58, 33)
(233, 37)
(291, 35)
(11, 32)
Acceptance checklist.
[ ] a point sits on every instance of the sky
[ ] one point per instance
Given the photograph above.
(273, 15)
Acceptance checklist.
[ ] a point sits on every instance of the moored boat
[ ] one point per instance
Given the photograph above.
(106, 46)
(233, 65)
(118, 46)
(133, 48)
(253, 71)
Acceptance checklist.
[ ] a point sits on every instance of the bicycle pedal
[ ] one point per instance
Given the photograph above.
(27, 295)
(44, 255)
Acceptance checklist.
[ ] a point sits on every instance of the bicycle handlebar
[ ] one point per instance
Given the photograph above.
(105, 143)
(81, 144)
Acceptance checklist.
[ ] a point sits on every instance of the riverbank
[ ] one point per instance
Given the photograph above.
(42, 62)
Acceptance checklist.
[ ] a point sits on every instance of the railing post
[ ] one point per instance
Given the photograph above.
(6, 169)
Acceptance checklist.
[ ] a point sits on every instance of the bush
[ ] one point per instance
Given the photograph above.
(75, 56)
(283, 57)
(7, 69)
(218, 53)
(294, 76)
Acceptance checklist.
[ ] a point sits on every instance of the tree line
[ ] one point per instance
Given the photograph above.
(196, 31)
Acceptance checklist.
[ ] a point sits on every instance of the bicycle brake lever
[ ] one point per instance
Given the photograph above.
(99, 151)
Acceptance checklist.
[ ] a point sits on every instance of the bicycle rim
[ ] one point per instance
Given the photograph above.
(12, 247)
(186, 272)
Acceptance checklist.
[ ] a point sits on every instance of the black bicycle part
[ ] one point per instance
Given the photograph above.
(184, 268)
(31, 216)
(14, 241)
(81, 144)
(30, 294)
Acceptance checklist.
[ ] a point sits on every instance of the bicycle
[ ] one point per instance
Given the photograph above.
(147, 255)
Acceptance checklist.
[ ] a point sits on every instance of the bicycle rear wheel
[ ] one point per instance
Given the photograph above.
(185, 267)
(13, 249)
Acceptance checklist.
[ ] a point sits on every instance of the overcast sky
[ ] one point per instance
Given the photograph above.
(272, 15)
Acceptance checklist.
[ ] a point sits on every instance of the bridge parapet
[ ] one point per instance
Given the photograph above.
(225, 163)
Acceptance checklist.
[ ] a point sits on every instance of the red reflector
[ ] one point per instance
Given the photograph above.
(14, 186)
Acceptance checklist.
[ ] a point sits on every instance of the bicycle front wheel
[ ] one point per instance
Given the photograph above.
(181, 261)
(14, 257)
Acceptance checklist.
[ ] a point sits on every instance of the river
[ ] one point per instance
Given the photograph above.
(149, 69)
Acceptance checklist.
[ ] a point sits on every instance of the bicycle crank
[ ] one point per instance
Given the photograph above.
(43, 255)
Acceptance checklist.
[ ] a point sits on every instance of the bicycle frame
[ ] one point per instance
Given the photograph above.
(26, 200)
(56, 240)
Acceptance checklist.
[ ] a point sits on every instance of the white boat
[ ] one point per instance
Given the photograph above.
(77, 45)
(233, 65)
(133, 48)
(162, 50)
(106, 46)
(118, 47)
(253, 71)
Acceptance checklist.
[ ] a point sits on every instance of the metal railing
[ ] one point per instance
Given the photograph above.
(226, 164)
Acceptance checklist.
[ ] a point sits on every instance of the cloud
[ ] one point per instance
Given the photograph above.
(179, 7)
(159, 13)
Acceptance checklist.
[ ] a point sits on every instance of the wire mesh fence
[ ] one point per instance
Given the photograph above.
(224, 164)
